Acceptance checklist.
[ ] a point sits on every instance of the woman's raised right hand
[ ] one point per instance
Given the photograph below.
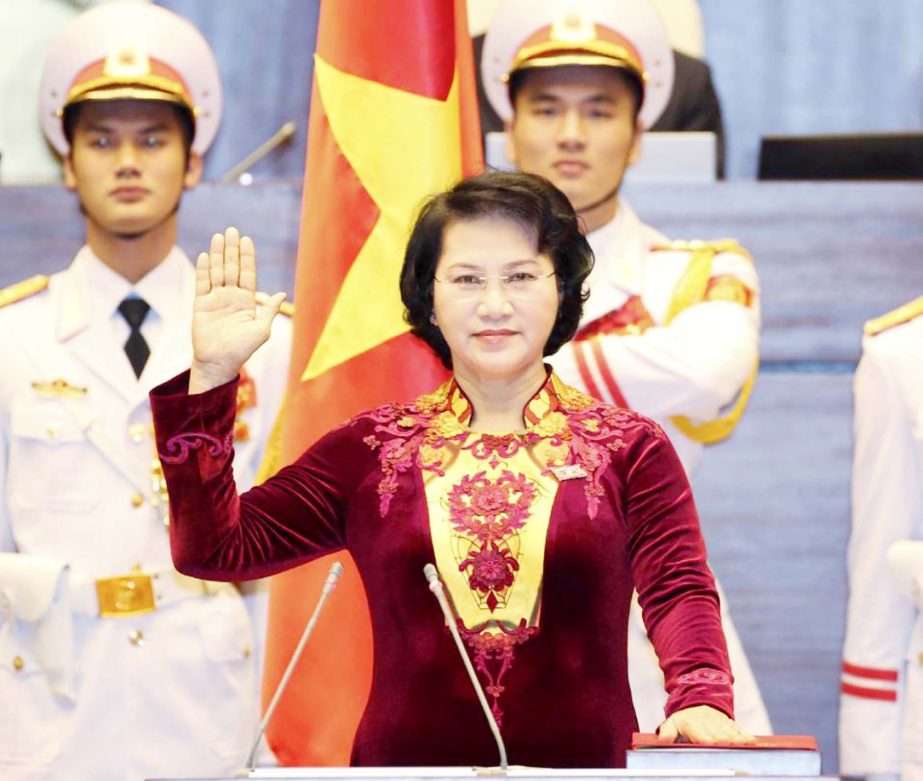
(228, 324)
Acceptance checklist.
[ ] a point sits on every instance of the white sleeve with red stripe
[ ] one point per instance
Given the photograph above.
(693, 366)
(886, 507)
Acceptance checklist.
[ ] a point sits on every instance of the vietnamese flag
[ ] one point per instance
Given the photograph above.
(393, 120)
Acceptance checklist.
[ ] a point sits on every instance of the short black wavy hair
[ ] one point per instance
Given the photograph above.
(529, 200)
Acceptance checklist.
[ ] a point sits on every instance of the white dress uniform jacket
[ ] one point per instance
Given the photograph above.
(690, 363)
(687, 362)
(170, 692)
(881, 705)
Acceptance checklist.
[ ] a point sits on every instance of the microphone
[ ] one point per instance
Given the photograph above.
(435, 585)
(281, 136)
(330, 584)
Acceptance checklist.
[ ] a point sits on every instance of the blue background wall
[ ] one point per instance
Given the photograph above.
(781, 67)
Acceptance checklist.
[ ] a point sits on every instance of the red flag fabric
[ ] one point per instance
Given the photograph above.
(393, 120)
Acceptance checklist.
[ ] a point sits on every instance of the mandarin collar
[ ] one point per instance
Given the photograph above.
(544, 401)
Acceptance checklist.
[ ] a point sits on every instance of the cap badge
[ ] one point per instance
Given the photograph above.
(127, 62)
(573, 28)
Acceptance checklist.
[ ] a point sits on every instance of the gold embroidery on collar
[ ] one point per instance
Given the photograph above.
(570, 398)
(434, 402)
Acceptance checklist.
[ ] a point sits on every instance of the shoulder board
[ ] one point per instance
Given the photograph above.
(24, 289)
(287, 308)
(902, 314)
(719, 245)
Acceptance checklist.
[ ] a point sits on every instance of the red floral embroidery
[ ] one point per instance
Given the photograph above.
(706, 676)
(494, 656)
(597, 433)
(491, 570)
(179, 447)
(489, 513)
(490, 509)
(396, 457)
(593, 432)
(399, 435)
(493, 448)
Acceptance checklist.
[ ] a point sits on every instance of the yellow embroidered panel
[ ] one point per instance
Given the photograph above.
(489, 509)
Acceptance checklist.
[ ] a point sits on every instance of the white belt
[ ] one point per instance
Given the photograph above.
(134, 593)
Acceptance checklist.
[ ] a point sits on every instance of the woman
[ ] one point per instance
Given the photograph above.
(541, 507)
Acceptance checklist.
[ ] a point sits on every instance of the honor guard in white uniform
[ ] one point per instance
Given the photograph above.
(671, 329)
(881, 703)
(112, 665)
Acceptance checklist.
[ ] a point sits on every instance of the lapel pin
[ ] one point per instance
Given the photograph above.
(568, 471)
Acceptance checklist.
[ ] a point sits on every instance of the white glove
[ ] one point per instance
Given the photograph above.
(905, 563)
(34, 590)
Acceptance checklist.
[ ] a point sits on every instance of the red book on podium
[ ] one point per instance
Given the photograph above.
(769, 755)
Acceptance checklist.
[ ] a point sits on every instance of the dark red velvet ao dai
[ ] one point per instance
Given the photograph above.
(628, 522)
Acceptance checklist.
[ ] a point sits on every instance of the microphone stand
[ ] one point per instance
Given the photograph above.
(281, 136)
(336, 570)
(435, 585)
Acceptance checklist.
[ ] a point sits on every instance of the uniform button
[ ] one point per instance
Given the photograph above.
(137, 500)
(137, 432)
(136, 637)
(53, 431)
(18, 663)
(247, 652)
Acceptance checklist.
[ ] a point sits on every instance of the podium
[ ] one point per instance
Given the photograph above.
(770, 758)
(521, 774)
(480, 774)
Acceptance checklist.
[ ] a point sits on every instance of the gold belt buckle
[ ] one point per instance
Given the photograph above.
(126, 595)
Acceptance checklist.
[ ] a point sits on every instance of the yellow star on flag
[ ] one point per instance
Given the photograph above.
(403, 147)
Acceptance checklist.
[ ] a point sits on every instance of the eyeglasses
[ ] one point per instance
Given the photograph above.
(467, 283)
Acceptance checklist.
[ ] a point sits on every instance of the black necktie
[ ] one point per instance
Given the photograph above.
(134, 310)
